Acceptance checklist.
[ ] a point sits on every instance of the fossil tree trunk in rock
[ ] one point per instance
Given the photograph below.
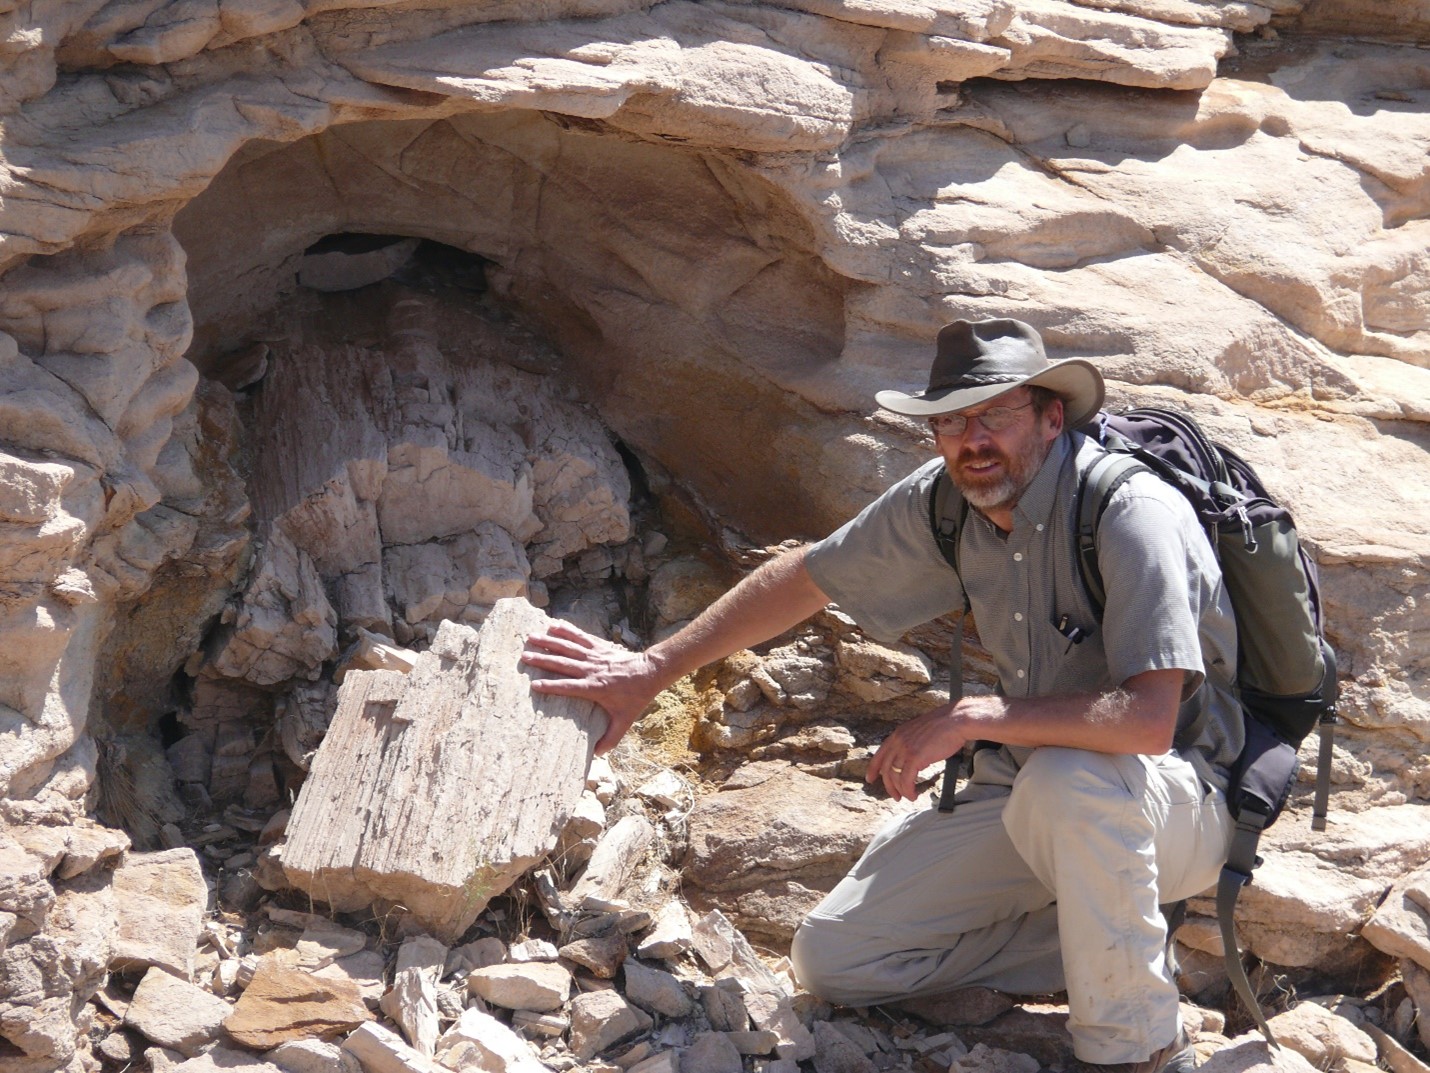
(437, 789)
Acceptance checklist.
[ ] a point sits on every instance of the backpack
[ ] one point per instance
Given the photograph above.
(1286, 672)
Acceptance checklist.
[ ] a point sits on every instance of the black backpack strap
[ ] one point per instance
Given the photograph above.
(946, 533)
(953, 766)
(1330, 690)
(1236, 873)
(947, 530)
(1260, 784)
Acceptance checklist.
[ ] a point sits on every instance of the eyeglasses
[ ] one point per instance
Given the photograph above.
(994, 419)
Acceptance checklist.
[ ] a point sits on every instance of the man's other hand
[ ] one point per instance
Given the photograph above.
(913, 746)
(621, 681)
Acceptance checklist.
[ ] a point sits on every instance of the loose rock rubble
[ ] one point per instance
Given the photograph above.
(601, 966)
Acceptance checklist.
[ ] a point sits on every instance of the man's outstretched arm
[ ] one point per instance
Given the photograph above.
(777, 596)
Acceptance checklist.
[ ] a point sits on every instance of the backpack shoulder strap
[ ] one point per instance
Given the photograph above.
(947, 521)
(948, 513)
(1101, 481)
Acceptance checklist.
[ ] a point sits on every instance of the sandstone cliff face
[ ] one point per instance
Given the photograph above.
(734, 222)
(726, 216)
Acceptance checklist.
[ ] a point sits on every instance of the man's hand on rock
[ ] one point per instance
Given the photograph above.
(621, 681)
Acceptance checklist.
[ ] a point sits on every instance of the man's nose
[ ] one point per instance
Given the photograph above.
(974, 433)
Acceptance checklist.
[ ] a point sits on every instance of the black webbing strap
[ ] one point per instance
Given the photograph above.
(947, 532)
(953, 766)
(1235, 874)
(1327, 730)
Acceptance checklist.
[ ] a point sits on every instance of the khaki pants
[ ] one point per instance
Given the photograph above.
(1043, 879)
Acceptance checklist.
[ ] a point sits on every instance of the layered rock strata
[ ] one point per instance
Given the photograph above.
(734, 221)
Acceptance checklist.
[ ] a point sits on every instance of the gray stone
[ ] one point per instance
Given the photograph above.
(655, 990)
(711, 1052)
(670, 936)
(220, 1059)
(174, 1013)
(537, 985)
(601, 1019)
(724, 1008)
(310, 1056)
(161, 898)
(493, 1046)
(834, 1052)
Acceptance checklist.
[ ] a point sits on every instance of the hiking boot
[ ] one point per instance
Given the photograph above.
(1177, 1057)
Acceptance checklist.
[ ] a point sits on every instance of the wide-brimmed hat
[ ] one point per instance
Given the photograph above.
(979, 359)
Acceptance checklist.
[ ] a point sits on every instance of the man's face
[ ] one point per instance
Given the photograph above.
(993, 468)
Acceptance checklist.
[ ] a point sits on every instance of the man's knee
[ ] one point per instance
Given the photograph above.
(821, 961)
(1053, 779)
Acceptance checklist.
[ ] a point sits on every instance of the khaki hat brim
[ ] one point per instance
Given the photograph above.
(1077, 381)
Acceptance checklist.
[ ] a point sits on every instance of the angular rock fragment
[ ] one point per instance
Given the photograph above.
(670, 936)
(174, 1013)
(412, 1002)
(161, 898)
(614, 860)
(986, 1059)
(711, 1052)
(835, 1053)
(381, 1050)
(664, 1062)
(218, 1059)
(283, 1003)
(495, 1046)
(1401, 925)
(312, 1056)
(540, 985)
(448, 747)
(324, 942)
(774, 1013)
(1322, 1037)
(603, 954)
(655, 990)
(724, 1008)
(601, 1019)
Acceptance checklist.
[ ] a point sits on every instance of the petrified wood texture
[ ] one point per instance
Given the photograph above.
(435, 790)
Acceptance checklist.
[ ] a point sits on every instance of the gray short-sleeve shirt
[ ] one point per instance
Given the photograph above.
(1166, 606)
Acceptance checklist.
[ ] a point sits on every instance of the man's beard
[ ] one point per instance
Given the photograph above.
(1002, 491)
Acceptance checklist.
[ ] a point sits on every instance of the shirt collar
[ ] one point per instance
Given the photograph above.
(1036, 504)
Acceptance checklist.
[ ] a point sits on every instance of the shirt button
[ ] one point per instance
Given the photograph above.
(1017, 556)
(1040, 527)
(1020, 674)
(1017, 616)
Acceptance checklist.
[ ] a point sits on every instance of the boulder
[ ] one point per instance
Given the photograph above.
(778, 825)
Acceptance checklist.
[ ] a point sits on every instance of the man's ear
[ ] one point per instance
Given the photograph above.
(1053, 418)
